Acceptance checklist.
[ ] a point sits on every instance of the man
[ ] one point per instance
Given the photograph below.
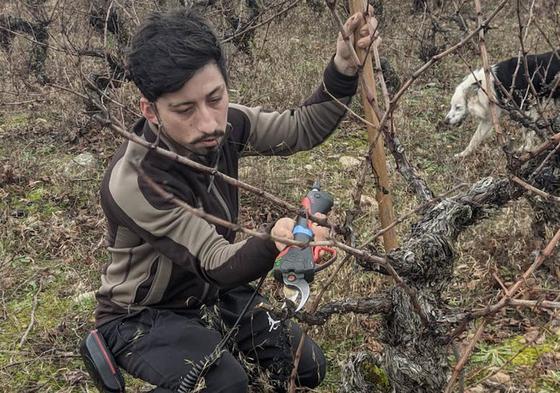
(167, 264)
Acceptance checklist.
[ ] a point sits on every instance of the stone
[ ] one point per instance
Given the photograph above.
(366, 202)
(85, 296)
(500, 378)
(349, 162)
(533, 336)
(83, 165)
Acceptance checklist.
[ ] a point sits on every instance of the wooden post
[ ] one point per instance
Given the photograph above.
(378, 159)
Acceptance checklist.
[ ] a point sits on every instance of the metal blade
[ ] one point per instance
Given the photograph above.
(291, 293)
(297, 289)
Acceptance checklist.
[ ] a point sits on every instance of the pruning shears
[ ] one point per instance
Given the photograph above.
(295, 267)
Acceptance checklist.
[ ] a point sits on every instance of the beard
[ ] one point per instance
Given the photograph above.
(208, 139)
(207, 144)
(204, 147)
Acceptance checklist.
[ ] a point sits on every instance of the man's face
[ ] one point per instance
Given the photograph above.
(194, 116)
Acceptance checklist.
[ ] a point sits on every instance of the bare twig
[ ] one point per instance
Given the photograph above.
(213, 219)
(19, 102)
(352, 112)
(487, 74)
(405, 168)
(32, 318)
(418, 209)
(553, 140)
(464, 358)
(511, 291)
(543, 163)
(356, 209)
(534, 189)
(522, 38)
(264, 22)
(534, 303)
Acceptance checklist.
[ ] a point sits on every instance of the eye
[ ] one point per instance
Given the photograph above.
(215, 99)
(187, 110)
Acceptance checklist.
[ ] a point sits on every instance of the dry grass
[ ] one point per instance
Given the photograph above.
(51, 224)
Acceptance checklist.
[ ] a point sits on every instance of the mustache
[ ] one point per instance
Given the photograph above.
(215, 135)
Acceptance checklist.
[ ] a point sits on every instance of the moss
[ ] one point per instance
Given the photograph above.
(50, 309)
(53, 307)
(35, 203)
(36, 194)
(14, 120)
(376, 376)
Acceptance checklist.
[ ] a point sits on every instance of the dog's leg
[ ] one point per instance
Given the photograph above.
(482, 132)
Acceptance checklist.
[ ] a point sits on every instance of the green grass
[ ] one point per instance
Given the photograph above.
(516, 356)
(14, 120)
(516, 351)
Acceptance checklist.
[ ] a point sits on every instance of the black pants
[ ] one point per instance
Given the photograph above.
(160, 346)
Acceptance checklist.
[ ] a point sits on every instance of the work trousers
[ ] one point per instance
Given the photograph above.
(161, 346)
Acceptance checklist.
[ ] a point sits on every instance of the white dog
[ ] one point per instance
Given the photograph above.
(470, 98)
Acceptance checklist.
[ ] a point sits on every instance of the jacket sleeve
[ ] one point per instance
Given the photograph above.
(284, 133)
(183, 237)
(191, 241)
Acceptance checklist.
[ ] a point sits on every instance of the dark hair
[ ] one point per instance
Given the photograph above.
(169, 48)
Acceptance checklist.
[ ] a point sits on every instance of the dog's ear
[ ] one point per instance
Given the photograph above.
(473, 87)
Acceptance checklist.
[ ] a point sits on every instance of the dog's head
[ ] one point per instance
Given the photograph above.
(458, 111)
(459, 108)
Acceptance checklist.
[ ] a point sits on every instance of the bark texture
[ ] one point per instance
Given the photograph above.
(416, 355)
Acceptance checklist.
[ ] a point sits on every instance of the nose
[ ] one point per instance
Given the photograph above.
(446, 120)
(206, 123)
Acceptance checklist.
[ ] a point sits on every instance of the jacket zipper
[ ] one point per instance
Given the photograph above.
(222, 202)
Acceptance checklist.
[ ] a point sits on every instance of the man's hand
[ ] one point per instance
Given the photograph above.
(285, 226)
(320, 233)
(343, 59)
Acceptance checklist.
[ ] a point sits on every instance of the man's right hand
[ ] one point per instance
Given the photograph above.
(283, 228)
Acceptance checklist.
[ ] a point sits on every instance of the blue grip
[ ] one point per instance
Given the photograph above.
(301, 229)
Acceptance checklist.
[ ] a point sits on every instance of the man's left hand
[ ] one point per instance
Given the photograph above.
(343, 60)
(320, 233)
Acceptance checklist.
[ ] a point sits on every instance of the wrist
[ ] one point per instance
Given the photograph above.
(345, 67)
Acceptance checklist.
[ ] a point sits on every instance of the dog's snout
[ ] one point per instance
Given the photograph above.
(446, 120)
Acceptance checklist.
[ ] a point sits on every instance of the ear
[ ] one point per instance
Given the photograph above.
(148, 110)
(474, 87)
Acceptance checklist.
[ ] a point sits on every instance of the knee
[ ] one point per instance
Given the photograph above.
(312, 364)
(228, 376)
(239, 384)
(312, 370)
